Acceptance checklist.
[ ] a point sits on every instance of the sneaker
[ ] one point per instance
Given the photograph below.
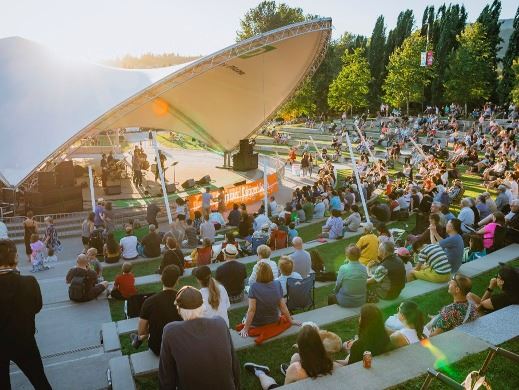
(252, 367)
(136, 342)
(283, 368)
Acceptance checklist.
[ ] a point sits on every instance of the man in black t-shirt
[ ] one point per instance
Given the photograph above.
(20, 301)
(151, 242)
(151, 214)
(92, 289)
(232, 274)
(157, 311)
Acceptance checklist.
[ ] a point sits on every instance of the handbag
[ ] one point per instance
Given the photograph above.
(474, 381)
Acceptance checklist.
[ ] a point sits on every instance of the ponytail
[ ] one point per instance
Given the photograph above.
(214, 294)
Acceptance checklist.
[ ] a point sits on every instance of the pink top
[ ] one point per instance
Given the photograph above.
(488, 235)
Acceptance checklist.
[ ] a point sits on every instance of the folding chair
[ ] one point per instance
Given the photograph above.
(257, 241)
(300, 293)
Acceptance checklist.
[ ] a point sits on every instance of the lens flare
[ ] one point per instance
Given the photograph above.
(160, 107)
(441, 363)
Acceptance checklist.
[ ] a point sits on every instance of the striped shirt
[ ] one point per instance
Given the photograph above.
(434, 256)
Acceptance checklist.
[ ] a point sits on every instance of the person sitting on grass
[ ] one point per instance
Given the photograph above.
(372, 336)
(191, 236)
(432, 265)
(263, 253)
(350, 288)
(172, 255)
(368, 244)
(265, 300)
(458, 312)
(452, 245)
(507, 280)
(292, 231)
(83, 281)
(413, 322)
(286, 268)
(157, 311)
(151, 243)
(475, 250)
(232, 274)
(311, 361)
(488, 231)
(203, 254)
(128, 244)
(352, 223)
(216, 300)
(124, 284)
(387, 276)
(111, 250)
(333, 228)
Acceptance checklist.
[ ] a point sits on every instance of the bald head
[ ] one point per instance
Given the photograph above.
(297, 243)
(82, 260)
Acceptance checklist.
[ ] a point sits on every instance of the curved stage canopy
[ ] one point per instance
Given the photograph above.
(47, 104)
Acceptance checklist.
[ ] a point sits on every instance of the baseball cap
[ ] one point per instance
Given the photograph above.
(230, 249)
(189, 298)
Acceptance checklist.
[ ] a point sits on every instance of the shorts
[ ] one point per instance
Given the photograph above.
(430, 275)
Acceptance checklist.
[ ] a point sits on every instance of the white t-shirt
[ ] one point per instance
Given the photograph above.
(224, 305)
(207, 230)
(129, 245)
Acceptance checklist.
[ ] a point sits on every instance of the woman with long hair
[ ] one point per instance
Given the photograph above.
(216, 300)
(372, 335)
(413, 321)
(311, 361)
(111, 249)
(30, 227)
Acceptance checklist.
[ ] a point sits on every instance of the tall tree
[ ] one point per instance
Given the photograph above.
(470, 68)
(489, 19)
(507, 81)
(375, 54)
(350, 89)
(403, 29)
(406, 79)
(302, 103)
(267, 16)
(514, 93)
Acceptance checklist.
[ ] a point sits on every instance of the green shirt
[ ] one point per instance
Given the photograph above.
(308, 208)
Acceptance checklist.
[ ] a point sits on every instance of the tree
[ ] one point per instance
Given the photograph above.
(350, 89)
(489, 19)
(267, 16)
(514, 94)
(406, 79)
(403, 29)
(507, 81)
(470, 68)
(302, 103)
(375, 56)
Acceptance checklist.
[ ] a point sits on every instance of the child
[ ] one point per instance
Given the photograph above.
(37, 256)
(286, 268)
(95, 264)
(292, 232)
(475, 249)
(51, 258)
(124, 285)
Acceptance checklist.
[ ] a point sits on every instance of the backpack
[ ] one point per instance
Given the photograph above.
(96, 241)
(77, 288)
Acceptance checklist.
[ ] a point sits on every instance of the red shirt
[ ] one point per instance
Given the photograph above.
(125, 283)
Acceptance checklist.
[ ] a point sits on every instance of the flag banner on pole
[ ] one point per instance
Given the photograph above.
(430, 57)
(423, 58)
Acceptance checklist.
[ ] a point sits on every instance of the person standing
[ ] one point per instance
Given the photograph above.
(151, 214)
(51, 240)
(198, 352)
(206, 202)
(30, 227)
(20, 301)
(108, 218)
(98, 211)
(87, 227)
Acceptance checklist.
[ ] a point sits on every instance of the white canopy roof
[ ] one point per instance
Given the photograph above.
(48, 103)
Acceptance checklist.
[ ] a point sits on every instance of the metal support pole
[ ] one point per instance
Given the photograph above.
(357, 178)
(363, 140)
(316, 148)
(91, 185)
(266, 183)
(161, 174)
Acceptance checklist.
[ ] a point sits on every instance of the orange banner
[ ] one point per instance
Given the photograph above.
(245, 193)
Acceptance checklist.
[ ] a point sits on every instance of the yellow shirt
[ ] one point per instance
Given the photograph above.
(368, 245)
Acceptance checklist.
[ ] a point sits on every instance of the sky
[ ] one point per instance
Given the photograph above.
(98, 30)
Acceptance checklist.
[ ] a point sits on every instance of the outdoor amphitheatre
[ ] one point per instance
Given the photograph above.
(304, 208)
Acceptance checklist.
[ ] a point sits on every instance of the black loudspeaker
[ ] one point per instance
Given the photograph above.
(170, 188)
(189, 183)
(57, 200)
(204, 180)
(46, 181)
(245, 159)
(240, 183)
(65, 175)
(113, 189)
(246, 146)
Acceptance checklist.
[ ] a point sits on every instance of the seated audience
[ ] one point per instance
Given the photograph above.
(265, 300)
(94, 263)
(172, 255)
(286, 268)
(157, 311)
(311, 361)
(263, 253)
(292, 231)
(301, 258)
(350, 288)
(466, 215)
(232, 274)
(453, 244)
(216, 300)
(197, 353)
(191, 236)
(217, 219)
(507, 280)
(475, 249)
(372, 336)
(234, 216)
(352, 223)
(151, 243)
(203, 255)
(124, 284)
(128, 244)
(387, 276)
(459, 311)
(368, 244)
(207, 230)
(432, 265)
(413, 322)
(83, 281)
(333, 228)
(489, 230)
(111, 250)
